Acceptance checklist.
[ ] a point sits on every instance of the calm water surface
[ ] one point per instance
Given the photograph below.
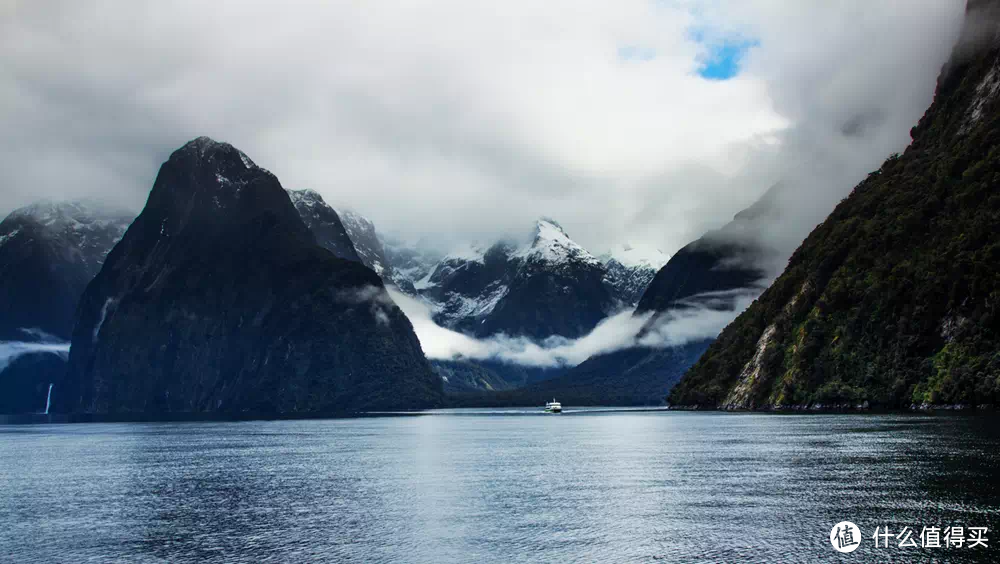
(496, 486)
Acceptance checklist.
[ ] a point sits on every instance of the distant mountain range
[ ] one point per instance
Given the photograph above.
(545, 286)
(548, 285)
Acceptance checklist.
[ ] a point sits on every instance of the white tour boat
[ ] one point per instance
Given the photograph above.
(553, 407)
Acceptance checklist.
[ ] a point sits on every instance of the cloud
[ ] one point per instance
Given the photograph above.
(701, 317)
(375, 297)
(443, 120)
(11, 350)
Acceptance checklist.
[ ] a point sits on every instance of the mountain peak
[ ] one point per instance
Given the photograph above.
(216, 187)
(215, 152)
(548, 222)
(552, 244)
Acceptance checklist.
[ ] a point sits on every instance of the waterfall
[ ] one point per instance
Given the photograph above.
(48, 400)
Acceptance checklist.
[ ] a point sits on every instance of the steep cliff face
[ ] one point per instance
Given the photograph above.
(219, 299)
(893, 300)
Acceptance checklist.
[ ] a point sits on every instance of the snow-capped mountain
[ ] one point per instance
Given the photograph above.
(366, 242)
(548, 286)
(48, 253)
(630, 270)
(324, 222)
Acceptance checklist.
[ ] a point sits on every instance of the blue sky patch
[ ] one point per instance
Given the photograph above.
(724, 57)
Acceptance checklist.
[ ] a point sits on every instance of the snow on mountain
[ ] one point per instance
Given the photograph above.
(637, 255)
(627, 283)
(412, 264)
(551, 244)
(49, 252)
(547, 285)
(85, 230)
(324, 222)
(352, 236)
(630, 269)
(362, 232)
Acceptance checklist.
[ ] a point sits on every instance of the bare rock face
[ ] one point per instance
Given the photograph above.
(219, 299)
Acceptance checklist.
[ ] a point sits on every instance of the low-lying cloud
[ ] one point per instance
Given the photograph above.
(11, 350)
(700, 317)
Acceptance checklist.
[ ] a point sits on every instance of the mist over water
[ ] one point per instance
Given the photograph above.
(496, 486)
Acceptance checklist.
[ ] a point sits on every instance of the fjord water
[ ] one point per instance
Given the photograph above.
(500, 486)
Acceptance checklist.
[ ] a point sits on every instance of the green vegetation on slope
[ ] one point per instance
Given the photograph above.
(893, 299)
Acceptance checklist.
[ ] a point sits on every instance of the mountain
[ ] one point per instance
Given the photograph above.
(466, 286)
(629, 271)
(48, 253)
(325, 223)
(367, 243)
(462, 376)
(411, 264)
(629, 377)
(219, 299)
(548, 286)
(710, 274)
(349, 235)
(557, 288)
(893, 300)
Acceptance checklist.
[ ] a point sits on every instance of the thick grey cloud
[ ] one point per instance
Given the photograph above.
(452, 121)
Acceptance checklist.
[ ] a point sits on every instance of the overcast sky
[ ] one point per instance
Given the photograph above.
(638, 121)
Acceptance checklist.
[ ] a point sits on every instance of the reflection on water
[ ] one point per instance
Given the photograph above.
(475, 486)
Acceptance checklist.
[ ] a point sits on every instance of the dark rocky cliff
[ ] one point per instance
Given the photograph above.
(219, 299)
(324, 222)
(893, 300)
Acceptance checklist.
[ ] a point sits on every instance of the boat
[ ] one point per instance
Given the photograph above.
(553, 407)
